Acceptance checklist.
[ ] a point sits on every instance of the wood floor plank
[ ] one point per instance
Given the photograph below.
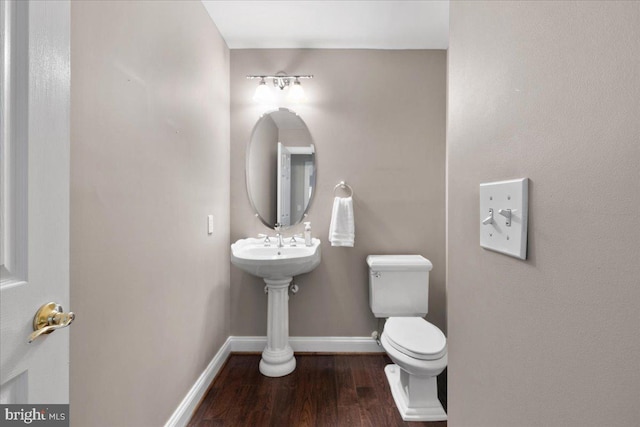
(219, 404)
(303, 407)
(263, 400)
(211, 423)
(370, 412)
(388, 410)
(346, 386)
(359, 370)
(197, 418)
(323, 391)
(283, 396)
(349, 416)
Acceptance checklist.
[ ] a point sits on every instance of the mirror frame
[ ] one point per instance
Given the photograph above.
(246, 170)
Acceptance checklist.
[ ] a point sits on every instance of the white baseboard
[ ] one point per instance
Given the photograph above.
(312, 344)
(183, 413)
(335, 344)
(248, 343)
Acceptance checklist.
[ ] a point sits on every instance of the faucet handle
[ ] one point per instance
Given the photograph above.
(293, 240)
(267, 241)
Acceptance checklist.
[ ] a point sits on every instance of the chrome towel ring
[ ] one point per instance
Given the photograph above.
(343, 185)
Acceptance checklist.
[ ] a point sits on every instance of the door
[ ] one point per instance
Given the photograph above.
(35, 198)
(308, 181)
(284, 185)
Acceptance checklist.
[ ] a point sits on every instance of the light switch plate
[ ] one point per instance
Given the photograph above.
(210, 224)
(498, 200)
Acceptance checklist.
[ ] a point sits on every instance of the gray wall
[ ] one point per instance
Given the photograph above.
(149, 161)
(549, 91)
(377, 119)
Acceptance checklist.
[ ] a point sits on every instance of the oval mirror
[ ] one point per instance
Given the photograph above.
(281, 168)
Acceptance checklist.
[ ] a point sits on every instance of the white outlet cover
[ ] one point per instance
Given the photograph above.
(497, 236)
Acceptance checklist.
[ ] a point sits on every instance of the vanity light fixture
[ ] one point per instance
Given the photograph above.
(263, 95)
(296, 92)
(281, 80)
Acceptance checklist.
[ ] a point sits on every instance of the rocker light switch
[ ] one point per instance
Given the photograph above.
(506, 232)
(210, 224)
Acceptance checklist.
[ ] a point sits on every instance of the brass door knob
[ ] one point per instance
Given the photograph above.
(48, 318)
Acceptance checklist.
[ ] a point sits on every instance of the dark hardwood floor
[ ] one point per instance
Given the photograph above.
(324, 390)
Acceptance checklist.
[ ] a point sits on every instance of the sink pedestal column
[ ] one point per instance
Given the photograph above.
(277, 357)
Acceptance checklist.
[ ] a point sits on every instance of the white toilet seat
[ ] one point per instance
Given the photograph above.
(416, 338)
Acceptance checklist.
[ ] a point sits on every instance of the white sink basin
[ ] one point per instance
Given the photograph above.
(271, 262)
(276, 266)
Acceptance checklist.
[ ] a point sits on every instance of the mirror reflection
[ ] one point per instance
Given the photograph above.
(280, 170)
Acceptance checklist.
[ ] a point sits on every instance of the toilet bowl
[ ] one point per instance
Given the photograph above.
(419, 352)
(399, 292)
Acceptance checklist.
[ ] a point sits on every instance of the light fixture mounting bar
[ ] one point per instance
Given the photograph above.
(301, 76)
(281, 80)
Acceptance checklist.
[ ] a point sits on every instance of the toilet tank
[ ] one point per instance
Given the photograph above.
(399, 285)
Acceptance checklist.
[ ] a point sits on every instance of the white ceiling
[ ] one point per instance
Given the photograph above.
(331, 24)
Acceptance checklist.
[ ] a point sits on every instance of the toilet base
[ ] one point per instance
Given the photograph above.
(416, 397)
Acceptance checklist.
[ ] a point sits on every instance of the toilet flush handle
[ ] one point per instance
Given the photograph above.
(376, 274)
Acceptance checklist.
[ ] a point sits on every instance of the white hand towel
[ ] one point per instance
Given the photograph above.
(342, 228)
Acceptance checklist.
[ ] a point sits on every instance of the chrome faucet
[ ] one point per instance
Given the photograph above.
(277, 228)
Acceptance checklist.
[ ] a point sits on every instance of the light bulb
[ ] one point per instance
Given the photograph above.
(263, 94)
(296, 92)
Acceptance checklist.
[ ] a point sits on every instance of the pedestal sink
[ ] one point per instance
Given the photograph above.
(276, 266)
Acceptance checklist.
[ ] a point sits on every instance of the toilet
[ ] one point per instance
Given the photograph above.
(399, 291)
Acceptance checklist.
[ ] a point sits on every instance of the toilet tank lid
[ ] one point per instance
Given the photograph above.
(399, 262)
